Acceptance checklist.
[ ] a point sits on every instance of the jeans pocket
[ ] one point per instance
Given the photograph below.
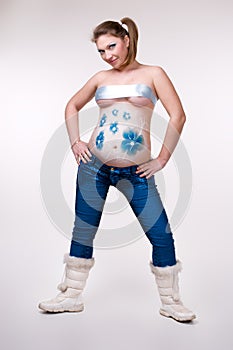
(140, 180)
(89, 168)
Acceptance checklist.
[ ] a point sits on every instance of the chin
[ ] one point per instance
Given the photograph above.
(118, 66)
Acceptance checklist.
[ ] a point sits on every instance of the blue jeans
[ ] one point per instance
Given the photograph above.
(93, 181)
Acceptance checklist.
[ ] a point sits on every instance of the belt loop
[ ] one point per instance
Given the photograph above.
(97, 162)
(133, 169)
(94, 161)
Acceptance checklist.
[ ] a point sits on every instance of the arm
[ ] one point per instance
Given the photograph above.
(171, 102)
(74, 105)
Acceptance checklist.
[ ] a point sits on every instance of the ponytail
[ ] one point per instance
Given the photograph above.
(133, 39)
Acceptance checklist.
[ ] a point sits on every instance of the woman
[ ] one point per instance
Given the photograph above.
(119, 154)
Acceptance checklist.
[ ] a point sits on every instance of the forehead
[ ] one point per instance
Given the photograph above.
(105, 39)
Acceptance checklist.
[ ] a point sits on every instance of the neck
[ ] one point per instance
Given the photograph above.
(129, 67)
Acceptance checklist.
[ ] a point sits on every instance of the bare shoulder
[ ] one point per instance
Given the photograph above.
(165, 89)
(101, 76)
(160, 78)
(86, 92)
(156, 72)
(96, 78)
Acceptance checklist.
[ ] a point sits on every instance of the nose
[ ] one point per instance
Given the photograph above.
(108, 55)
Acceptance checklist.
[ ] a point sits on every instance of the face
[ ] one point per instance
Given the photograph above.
(113, 50)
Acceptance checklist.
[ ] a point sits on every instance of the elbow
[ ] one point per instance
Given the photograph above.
(179, 119)
(183, 119)
(178, 122)
(70, 110)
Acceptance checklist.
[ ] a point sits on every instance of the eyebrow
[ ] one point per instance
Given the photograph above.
(107, 46)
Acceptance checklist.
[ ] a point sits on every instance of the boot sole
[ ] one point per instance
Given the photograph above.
(164, 313)
(77, 309)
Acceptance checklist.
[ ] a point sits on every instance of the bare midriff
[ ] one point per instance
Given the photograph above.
(122, 135)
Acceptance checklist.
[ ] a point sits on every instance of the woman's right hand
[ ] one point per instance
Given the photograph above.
(81, 151)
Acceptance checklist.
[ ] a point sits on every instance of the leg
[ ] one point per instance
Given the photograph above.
(168, 286)
(90, 197)
(148, 208)
(70, 296)
(91, 192)
(146, 204)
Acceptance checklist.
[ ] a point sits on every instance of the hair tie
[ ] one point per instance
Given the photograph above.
(124, 26)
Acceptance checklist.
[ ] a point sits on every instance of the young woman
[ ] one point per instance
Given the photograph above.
(119, 154)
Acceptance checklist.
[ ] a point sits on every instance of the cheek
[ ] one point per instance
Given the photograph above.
(123, 50)
(126, 51)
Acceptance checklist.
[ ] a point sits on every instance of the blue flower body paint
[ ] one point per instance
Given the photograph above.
(132, 142)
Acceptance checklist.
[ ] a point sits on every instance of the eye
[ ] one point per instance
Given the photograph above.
(111, 46)
(101, 52)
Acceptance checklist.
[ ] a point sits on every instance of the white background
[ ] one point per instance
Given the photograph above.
(46, 56)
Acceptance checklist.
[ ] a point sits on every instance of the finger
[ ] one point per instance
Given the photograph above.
(146, 172)
(88, 152)
(139, 170)
(78, 157)
(86, 157)
(149, 175)
(142, 175)
(142, 169)
(83, 158)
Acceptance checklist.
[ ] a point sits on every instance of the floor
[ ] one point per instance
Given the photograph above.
(121, 301)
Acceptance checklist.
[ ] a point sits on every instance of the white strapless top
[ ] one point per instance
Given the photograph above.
(121, 91)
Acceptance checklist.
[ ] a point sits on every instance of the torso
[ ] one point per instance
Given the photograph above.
(122, 135)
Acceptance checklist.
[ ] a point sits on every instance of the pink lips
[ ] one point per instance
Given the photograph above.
(113, 61)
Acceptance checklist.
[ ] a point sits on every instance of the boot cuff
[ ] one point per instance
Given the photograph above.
(166, 271)
(83, 263)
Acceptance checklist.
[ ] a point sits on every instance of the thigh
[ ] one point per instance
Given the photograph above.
(91, 193)
(91, 187)
(145, 201)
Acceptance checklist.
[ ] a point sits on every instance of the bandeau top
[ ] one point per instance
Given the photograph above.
(120, 91)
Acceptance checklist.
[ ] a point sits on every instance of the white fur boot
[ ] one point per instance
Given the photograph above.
(70, 298)
(168, 287)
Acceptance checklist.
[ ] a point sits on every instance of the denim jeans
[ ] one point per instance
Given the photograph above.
(93, 181)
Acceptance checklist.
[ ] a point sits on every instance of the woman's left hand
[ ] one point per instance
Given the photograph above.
(148, 169)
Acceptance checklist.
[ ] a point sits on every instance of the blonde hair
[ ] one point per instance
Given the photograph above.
(116, 29)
